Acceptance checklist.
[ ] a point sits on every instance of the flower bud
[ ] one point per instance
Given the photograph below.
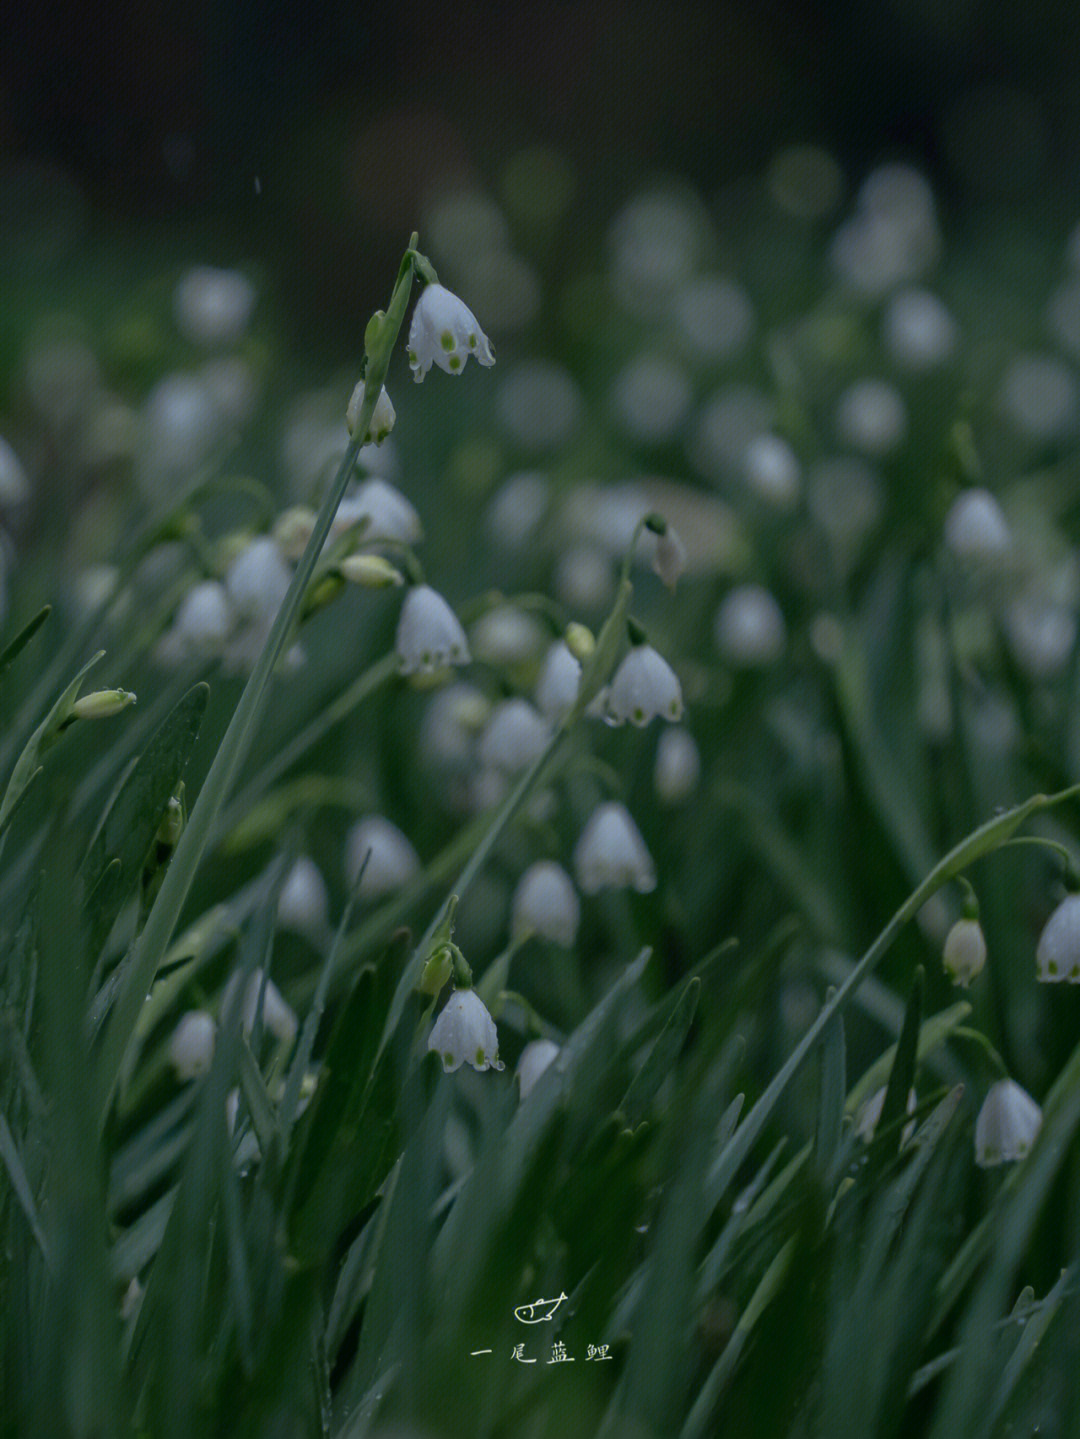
(965, 951)
(371, 572)
(101, 704)
(580, 641)
(382, 419)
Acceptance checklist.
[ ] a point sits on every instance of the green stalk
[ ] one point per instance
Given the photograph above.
(142, 964)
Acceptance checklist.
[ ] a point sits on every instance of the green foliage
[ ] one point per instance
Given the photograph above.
(238, 1193)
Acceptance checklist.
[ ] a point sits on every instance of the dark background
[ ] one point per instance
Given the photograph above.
(306, 136)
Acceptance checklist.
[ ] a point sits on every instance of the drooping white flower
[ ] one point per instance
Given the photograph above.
(387, 512)
(444, 332)
(546, 903)
(1057, 955)
(749, 627)
(429, 634)
(191, 1048)
(559, 682)
(454, 718)
(669, 557)
(382, 418)
(866, 1120)
(1007, 1124)
(611, 854)
(975, 528)
(535, 1058)
(678, 766)
(964, 953)
(277, 1016)
(516, 735)
(391, 859)
(644, 686)
(257, 580)
(464, 1033)
(204, 619)
(302, 904)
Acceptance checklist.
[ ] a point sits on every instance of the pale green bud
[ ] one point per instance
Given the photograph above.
(373, 572)
(101, 704)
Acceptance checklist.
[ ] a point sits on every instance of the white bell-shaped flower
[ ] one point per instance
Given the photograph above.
(866, 1120)
(535, 1058)
(611, 854)
(678, 766)
(257, 580)
(386, 511)
(277, 1016)
(975, 528)
(559, 682)
(1057, 955)
(515, 736)
(391, 859)
(382, 417)
(204, 619)
(191, 1048)
(429, 634)
(302, 904)
(464, 1033)
(669, 557)
(546, 903)
(1007, 1124)
(444, 332)
(964, 953)
(644, 686)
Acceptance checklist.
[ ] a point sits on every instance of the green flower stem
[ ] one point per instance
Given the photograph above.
(985, 840)
(472, 867)
(142, 964)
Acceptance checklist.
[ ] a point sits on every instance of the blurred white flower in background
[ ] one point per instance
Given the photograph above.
(213, 307)
(535, 1058)
(871, 416)
(303, 903)
(678, 766)
(546, 903)
(772, 471)
(191, 1046)
(515, 736)
(517, 508)
(749, 627)
(918, 330)
(611, 854)
(976, 528)
(386, 855)
(1039, 394)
